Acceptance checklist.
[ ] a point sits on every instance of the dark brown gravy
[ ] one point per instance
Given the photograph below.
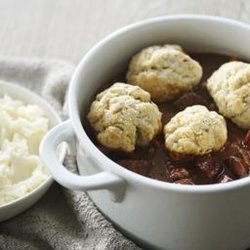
(155, 162)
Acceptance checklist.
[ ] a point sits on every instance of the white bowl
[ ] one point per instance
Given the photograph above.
(17, 206)
(155, 214)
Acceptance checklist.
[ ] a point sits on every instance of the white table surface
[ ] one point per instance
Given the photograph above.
(67, 29)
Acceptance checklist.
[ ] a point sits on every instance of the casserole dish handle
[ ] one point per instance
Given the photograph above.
(104, 180)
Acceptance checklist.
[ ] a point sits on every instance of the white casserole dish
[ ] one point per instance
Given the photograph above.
(153, 213)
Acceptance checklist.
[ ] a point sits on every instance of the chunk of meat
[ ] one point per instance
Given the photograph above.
(139, 166)
(224, 179)
(245, 154)
(179, 173)
(247, 138)
(237, 166)
(159, 172)
(180, 157)
(234, 149)
(209, 168)
(189, 99)
(155, 145)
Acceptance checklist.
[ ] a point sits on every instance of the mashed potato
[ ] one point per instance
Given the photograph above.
(21, 130)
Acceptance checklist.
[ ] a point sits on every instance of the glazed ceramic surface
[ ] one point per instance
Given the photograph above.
(155, 214)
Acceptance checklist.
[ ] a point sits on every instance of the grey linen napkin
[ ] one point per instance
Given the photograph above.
(62, 219)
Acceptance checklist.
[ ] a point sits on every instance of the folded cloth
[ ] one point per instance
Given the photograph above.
(62, 219)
